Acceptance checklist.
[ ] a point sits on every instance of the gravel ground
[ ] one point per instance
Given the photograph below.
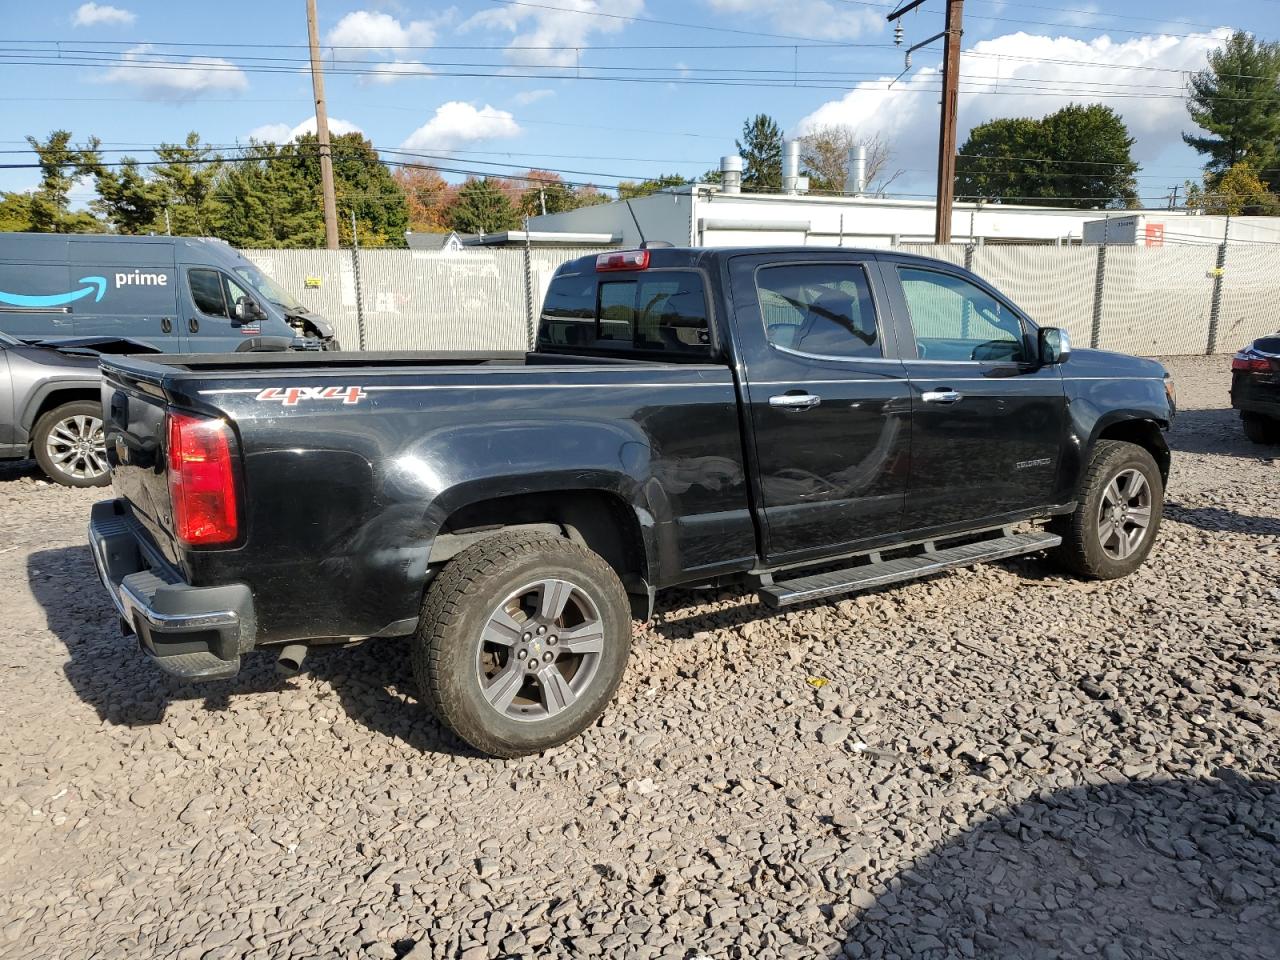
(1003, 762)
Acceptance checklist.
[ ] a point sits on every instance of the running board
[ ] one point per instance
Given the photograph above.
(882, 572)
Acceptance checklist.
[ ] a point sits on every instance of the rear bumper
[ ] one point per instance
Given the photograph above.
(197, 633)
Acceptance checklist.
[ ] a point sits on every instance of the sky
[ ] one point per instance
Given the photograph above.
(599, 90)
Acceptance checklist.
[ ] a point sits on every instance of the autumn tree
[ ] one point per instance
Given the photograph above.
(428, 197)
(1238, 192)
(824, 157)
(631, 189)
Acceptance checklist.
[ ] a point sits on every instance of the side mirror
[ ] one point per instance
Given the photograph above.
(1055, 345)
(247, 310)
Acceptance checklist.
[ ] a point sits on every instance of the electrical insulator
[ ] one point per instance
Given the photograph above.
(897, 33)
(907, 64)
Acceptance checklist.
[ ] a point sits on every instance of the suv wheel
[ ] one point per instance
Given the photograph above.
(522, 642)
(1120, 504)
(1260, 429)
(69, 445)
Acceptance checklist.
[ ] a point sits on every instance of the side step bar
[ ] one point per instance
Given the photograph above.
(881, 572)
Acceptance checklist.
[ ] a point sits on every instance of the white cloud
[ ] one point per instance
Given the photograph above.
(283, 133)
(368, 35)
(456, 124)
(366, 30)
(557, 31)
(526, 97)
(1025, 75)
(806, 18)
(176, 80)
(92, 14)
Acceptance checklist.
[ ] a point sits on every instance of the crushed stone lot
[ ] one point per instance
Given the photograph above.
(1003, 762)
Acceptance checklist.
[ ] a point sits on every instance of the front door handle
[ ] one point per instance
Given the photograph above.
(795, 401)
(193, 325)
(944, 395)
(166, 325)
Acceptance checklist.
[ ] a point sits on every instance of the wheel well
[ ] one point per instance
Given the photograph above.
(1146, 434)
(57, 398)
(600, 521)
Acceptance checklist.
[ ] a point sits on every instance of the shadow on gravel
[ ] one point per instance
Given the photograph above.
(107, 671)
(1182, 868)
(1220, 520)
(1216, 432)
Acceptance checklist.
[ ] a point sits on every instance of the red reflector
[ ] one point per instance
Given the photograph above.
(625, 260)
(1251, 364)
(202, 483)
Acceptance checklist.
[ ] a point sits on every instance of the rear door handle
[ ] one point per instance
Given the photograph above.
(944, 395)
(795, 401)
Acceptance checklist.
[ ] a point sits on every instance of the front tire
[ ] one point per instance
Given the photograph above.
(522, 642)
(69, 445)
(1120, 504)
(1260, 429)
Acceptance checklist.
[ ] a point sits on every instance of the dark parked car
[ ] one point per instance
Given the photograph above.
(1255, 388)
(801, 422)
(51, 406)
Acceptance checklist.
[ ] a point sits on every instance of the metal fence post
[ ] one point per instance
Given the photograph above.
(1095, 333)
(1215, 307)
(968, 255)
(531, 328)
(355, 271)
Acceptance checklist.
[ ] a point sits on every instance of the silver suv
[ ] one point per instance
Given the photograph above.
(51, 406)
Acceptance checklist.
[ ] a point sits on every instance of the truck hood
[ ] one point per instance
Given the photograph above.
(1085, 362)
(93, 346)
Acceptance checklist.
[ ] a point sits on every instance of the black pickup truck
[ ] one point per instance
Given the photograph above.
(802, 422)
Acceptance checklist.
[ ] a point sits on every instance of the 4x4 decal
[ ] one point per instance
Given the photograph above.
(292, 396)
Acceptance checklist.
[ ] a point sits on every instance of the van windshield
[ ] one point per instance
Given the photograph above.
(270, 289)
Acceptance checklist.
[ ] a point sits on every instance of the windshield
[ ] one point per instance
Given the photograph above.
(270, 289)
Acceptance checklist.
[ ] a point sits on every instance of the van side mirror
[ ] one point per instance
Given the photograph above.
(1055, 345)
(247, 310)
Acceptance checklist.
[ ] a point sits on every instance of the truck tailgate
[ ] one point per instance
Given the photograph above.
(134, 429)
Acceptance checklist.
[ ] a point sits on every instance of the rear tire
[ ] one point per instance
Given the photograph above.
(522, 642)
(69, 445)
(1118, 512)
(1260, 429)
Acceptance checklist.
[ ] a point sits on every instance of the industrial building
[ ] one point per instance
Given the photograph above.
(705, 214)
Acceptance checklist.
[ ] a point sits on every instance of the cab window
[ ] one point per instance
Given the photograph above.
(206, 292)
(954, 319)
(660, 312)
(822, 309)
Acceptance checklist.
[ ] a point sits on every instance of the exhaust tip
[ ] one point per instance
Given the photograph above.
(289, 663)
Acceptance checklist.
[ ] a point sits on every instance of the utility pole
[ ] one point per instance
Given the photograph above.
(950, 107)
(322, 132)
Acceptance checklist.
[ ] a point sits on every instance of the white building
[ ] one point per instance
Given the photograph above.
(1163, 228)
(707, 215)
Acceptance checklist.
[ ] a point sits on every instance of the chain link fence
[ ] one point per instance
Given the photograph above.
(1156, 301)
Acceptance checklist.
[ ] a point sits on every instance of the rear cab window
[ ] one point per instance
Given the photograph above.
(658, 314)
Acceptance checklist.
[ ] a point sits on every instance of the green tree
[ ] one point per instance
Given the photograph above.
(15, 212)
(630, 189)
(1236, 101)
(761, 151)
(482, 207)
(185, 178)
(49, 205)
(1079, 156)
(127, 199)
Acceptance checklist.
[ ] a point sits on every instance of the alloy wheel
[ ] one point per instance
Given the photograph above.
(77, 447)
(540, 650)
(1124, 514)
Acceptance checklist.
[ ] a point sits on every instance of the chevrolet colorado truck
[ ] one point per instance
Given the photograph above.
(802, 422)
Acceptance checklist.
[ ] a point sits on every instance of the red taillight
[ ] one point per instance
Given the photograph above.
(202, 483)
(626, 260)
(1252, 364)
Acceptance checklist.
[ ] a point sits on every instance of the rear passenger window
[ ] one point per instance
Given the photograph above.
(206, 291)
(658, 312)
(824, 309)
